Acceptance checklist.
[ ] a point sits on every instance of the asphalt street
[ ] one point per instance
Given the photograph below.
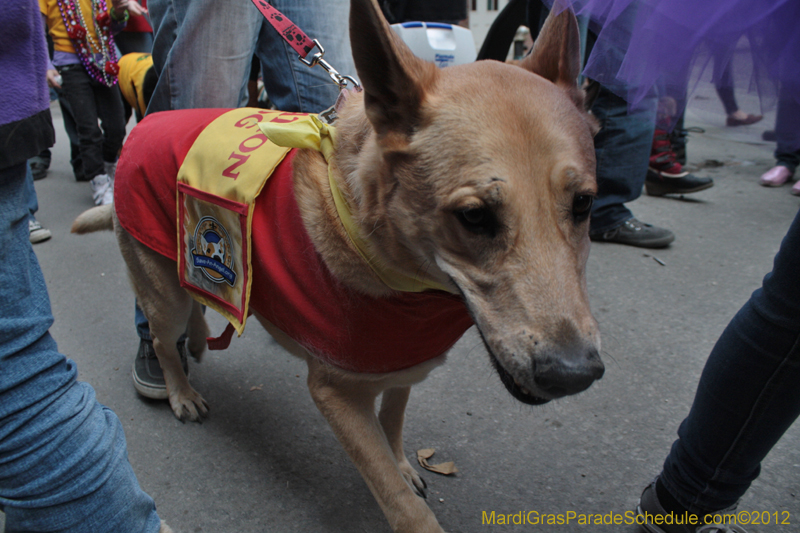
(266, 461)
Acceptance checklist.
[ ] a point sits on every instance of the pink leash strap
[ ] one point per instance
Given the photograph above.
(293, 35)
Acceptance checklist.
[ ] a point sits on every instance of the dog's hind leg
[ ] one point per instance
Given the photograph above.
(197, 331)
(171, 320)
(391, 416)
(348, 404)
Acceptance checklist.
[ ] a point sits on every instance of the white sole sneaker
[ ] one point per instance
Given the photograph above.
(38, 232)
(102, 189)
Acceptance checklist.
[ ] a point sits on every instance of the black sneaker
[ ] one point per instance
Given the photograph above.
(39, 166)
(652, 518)
(659, 184)
(636, 233)
(148, 379)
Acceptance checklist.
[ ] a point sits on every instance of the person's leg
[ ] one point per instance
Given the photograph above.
(31, 201)
(72, 133)
(787, 131)
(290, 84)
(37, 232)
(787, 136)
(501, 33)
(77, 91)
(142, 325)
(63, 457)
(724, 85)
(748, 395)
(111, 113)
(202, 51)
(40, 164)
(622, 147)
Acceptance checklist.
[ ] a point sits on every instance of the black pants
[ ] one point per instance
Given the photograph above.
(91, 101)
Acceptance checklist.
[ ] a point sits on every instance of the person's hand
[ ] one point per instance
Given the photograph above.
(136, 8)
(53, 78)
(119, 7)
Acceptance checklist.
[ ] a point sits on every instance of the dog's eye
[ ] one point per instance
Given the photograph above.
(582, 206)
(479, 220)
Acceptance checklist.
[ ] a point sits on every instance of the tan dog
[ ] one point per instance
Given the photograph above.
(481, 176)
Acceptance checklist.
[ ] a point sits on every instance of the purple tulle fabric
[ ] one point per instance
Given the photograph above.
(665, 47)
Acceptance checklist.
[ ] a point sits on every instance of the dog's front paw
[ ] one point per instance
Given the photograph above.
(413, 478)
(188, 405)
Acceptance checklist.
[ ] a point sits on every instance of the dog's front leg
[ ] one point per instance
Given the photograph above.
(392, 414)
(349, 407)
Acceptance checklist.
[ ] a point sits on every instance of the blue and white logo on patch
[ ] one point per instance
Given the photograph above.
(212, 251)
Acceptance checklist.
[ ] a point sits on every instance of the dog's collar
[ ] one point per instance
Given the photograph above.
(310, 132)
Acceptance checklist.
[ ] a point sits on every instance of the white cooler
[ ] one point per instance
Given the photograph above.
(444, 44)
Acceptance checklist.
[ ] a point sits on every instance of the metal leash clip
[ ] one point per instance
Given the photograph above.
(337, 78)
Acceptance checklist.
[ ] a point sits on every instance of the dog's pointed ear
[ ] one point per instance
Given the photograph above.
(556, 54)
(395, 81)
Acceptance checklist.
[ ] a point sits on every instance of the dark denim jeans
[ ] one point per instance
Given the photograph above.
(622, 148)
(748, 395)
(63, 458)
(90, 101)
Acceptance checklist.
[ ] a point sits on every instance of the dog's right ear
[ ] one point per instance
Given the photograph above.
(556, 54)
(395, 81)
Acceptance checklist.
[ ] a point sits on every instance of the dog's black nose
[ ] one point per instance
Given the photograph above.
(568, 373)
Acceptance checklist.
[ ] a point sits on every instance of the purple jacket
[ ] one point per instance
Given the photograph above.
(25, 124)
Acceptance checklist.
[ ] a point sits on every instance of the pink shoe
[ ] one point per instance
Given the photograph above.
(796, 188)
(776, 176)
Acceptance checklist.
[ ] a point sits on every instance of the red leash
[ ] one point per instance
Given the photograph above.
(301, 43)
(293, 35)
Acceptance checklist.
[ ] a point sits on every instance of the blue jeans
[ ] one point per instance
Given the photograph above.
(748, 395)
(622, 148)
(31, 201)
(203, 50)
(63, 458)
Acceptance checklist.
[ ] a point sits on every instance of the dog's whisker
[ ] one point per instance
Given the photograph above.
(606, 353)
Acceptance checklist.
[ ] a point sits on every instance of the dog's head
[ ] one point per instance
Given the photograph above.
(483, 176)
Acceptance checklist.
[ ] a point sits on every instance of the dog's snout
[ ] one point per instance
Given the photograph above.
(564, 374)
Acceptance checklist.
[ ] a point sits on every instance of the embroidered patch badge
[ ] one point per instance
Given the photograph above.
(212, 251)
(213, 254)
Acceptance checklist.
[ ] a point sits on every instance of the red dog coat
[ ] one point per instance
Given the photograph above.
(292, 287)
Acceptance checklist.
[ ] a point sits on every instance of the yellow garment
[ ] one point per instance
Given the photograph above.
(132, 70)
(57, 28)
(218, 182)
(308, 131)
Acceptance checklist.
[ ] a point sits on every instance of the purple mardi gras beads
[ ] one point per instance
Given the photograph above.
(87, 46)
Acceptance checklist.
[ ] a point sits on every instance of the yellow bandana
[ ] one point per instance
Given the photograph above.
(308, 131)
